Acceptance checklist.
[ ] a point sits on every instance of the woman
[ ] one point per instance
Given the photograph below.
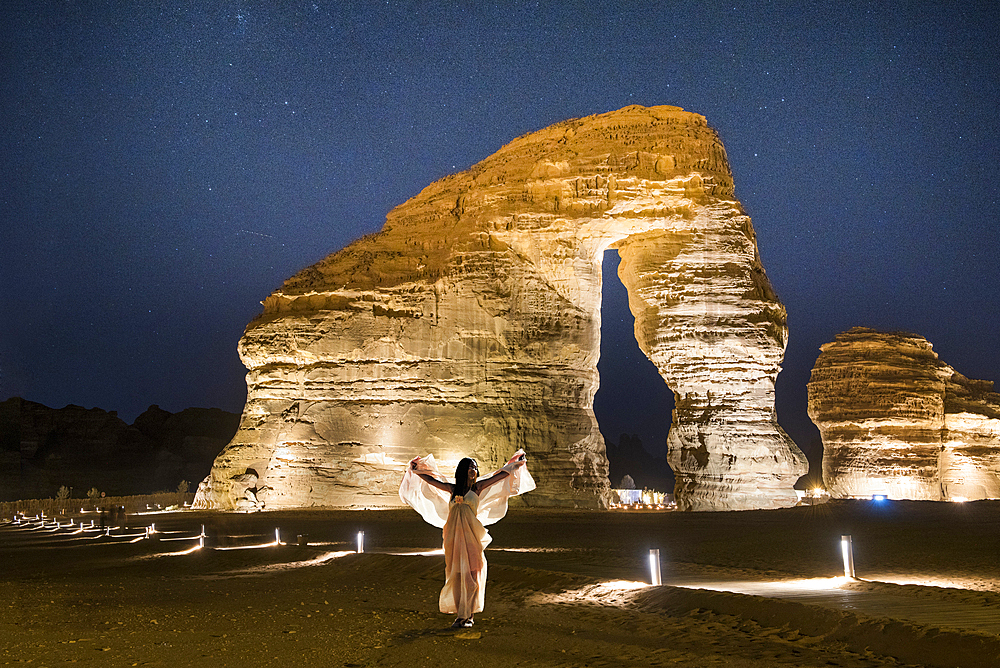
(462, 509)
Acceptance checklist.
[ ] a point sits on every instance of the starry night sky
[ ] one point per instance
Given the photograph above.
(166, 169)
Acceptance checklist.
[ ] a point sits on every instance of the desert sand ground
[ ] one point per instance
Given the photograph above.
(565, 588)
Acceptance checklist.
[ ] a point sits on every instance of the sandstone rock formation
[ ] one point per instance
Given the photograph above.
(896, 420)
(43, 448)
(470, 325)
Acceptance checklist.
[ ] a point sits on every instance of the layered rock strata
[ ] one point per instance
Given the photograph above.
(898, 421)
(470, 325)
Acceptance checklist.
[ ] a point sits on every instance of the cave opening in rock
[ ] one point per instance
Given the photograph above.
(633, 404)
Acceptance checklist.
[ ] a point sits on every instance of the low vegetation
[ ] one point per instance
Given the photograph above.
(60, 506)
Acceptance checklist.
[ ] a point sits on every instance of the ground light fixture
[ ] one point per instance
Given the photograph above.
(361, 542)
(847, 549)
(654, 567)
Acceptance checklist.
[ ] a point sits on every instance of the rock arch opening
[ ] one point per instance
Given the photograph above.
(633, 404)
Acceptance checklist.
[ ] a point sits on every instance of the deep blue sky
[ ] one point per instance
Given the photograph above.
(166, 169)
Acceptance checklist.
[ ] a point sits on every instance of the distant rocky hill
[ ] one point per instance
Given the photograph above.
(43, 448)
(629, 457)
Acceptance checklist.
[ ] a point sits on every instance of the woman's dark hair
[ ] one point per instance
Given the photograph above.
(462, 477)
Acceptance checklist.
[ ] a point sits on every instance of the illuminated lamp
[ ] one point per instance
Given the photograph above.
(277, 536)
(654, 567)
(879, 497)
(847, 549)
(361, 542)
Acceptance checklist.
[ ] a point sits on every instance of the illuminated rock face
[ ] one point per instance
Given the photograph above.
(470, 325)
(896, 420)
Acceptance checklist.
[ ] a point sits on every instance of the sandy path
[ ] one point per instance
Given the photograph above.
(85, 601)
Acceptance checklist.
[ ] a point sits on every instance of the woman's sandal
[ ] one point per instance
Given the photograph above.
(467, 623)
(459, 623)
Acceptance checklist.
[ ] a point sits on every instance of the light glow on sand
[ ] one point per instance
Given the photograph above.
(755, 587)
(304, 563)
(288, 565)
(969, 583)
(157, 555)
(813, 583)
(424, 553)
(173, 538)
(246, 547)
(621, 585)
(614, 592)
(534, 549)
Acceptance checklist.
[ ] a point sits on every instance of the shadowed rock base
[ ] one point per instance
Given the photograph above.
(470, 325)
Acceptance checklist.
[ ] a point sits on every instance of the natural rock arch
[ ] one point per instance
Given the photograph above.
(470, 325)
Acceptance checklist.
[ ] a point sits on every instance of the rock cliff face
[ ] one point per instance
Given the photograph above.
(896, 420)
(470, 325)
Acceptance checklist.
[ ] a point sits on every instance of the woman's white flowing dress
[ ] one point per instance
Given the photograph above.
(463, 521)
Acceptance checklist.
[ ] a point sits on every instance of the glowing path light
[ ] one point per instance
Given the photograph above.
(654, 567)
(361, 542)
(847, 549)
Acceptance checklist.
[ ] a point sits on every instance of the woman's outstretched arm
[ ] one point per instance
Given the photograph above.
(431, 480)
(495, 478)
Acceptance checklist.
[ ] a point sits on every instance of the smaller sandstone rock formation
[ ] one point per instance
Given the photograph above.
(896, 420)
